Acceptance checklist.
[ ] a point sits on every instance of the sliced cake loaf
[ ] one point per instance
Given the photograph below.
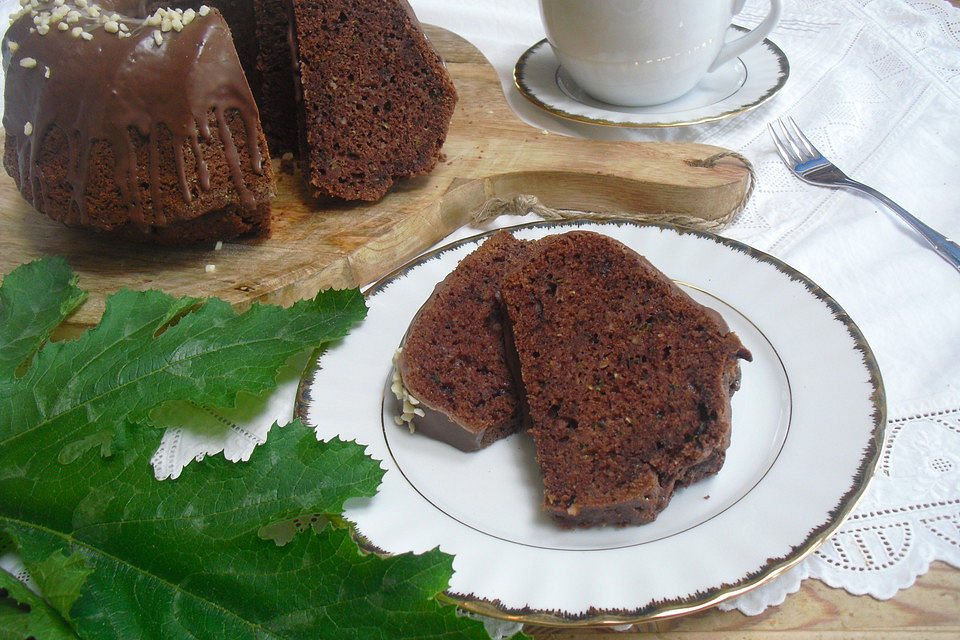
(453, 366)
(627, 379)
(375, 99)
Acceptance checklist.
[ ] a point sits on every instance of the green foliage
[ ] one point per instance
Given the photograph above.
(26, 319)
(24, 614)
(116, 554)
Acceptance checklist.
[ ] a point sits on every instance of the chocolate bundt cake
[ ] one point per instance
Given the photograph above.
(139, 125)
(242, 16)
(453, 367)
(135, 118)
(627, 379)
(375, 100)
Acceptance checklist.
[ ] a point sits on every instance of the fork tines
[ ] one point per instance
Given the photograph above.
(793, 146)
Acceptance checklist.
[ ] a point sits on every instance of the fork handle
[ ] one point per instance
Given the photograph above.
(944, 246)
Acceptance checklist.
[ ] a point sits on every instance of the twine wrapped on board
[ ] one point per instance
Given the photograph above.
(526, 203)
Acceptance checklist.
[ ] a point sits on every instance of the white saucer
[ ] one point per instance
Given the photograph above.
(738, 86)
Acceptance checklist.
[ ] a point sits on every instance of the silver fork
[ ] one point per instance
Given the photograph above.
(810, 166)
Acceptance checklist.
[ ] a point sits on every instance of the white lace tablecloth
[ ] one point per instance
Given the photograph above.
(876, 85)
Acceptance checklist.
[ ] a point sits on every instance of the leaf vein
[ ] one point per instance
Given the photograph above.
(122, 387)
(121, 562)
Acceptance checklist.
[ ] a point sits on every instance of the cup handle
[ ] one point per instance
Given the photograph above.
(741, 44)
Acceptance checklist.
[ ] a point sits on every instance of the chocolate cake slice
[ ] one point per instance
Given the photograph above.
(374, 97)
(454, 376)
(627, 379)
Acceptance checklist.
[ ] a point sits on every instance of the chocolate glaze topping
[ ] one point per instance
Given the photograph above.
(438, 425)
(103, 69)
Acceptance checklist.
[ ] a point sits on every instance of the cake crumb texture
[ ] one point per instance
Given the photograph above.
(453, 359)
(375, 99)
(627, 379)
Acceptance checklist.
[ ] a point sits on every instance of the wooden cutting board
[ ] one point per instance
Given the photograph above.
(489, 152)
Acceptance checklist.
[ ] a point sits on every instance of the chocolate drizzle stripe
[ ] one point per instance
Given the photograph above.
(181, 173)
(203, 173)
(233, 159)
(250, 120)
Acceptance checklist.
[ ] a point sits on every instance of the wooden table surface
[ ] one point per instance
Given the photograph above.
(928, 609)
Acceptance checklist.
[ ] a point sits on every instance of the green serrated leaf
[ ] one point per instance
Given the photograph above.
(78, 392)
(134, 360)
(27, 319)
(63, 576)
(119, 555)
(156, 547)
(24, 614)
(366, 596)
(183, 558)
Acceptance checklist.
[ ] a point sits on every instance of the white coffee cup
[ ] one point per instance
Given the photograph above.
(645, 52)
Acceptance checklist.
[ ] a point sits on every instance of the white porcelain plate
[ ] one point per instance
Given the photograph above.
(807, 427)
(739, 85)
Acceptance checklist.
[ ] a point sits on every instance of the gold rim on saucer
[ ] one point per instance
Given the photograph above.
(646, 119)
